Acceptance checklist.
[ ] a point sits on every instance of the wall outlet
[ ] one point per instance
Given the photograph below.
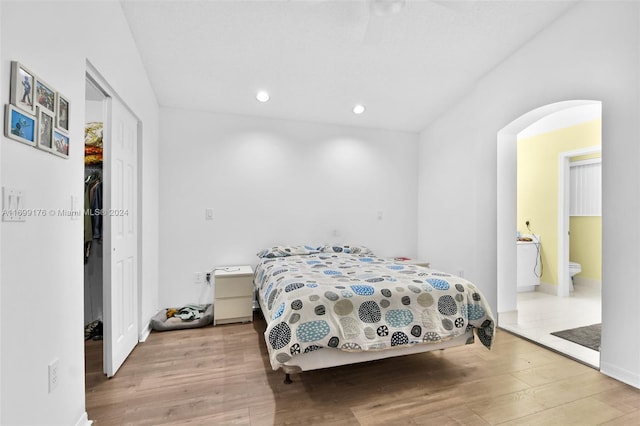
(198, 277)
(53, 375)
(461, 273)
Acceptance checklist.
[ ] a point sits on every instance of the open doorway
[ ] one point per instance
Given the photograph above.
(112, 246)
(95, 117)
(580, 217)
(526, 313)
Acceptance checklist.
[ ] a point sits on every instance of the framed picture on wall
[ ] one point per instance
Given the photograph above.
(46, 122)
(60, 144)
(45, 96)
(62, 113)
(22, 88)
(19, 126)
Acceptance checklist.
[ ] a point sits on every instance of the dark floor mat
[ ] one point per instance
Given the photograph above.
(588, 336)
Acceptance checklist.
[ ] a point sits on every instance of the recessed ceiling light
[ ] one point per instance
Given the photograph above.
(262, 96)
(358, 109)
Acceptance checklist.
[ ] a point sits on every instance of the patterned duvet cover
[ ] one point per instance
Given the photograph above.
(358, 302)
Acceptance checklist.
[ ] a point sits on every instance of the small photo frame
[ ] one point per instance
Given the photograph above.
(62, 112)
(46, 123)
(23, 83)
(45, 96)
(60, 144)
(19, 126)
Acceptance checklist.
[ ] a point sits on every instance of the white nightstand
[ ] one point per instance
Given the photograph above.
(233, 294)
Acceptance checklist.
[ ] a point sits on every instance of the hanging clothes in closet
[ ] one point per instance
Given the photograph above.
(93, 212)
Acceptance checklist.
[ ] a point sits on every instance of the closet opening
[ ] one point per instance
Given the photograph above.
(112, 244)
(95, 117)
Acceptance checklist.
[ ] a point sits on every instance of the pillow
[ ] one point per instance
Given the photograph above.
(284, 251)
(345, 248)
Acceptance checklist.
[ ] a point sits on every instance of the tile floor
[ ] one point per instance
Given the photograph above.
(540, 314)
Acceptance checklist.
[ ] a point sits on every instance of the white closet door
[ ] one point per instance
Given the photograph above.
(121, 297)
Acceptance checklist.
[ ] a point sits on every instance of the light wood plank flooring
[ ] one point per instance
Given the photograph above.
(221, 376)
(540, 314)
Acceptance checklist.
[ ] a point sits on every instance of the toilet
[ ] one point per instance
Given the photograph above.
(574, 268)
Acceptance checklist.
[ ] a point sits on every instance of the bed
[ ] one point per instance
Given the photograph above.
(340, 304)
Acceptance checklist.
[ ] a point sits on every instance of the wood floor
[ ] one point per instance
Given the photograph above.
(221, 376)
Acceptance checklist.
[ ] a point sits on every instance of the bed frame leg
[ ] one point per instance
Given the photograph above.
(287, 379)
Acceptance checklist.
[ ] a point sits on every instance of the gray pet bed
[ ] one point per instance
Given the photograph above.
(160, 322)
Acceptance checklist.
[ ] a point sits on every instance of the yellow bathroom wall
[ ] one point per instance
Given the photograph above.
(586, 245)
(537, 199)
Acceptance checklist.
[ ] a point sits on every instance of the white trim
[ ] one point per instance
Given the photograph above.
(506, 221)
(620, 374)
(144, 334)
(564, 284)
(563, 119)
(507, 195)
(101, 84)
(587, 283)
(1, 286)
(84, 420)
(585, 162)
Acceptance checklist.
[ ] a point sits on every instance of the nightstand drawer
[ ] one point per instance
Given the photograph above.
(233, 287)
(236, 308)
(233, 294)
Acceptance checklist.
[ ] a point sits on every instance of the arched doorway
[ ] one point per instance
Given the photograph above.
(507, 295)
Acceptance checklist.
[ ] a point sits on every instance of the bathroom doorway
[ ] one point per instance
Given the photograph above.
(535, 315)
(580, 197)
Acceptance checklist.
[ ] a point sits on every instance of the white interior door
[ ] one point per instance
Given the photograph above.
(120, 235)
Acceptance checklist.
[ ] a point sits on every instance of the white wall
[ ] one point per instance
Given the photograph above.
(275, 182)
(589, 53)
(41, 312)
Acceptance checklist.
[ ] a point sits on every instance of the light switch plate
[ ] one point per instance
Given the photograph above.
(208, 214)
(13, 202)
(53, 375)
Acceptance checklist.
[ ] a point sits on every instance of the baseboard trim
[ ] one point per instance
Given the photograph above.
(587, 283)
(145, 333)
(620, 374)
(526, 288)
(84, 420)
(584, 283)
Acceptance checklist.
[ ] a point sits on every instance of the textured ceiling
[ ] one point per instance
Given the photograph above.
(318, 58)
